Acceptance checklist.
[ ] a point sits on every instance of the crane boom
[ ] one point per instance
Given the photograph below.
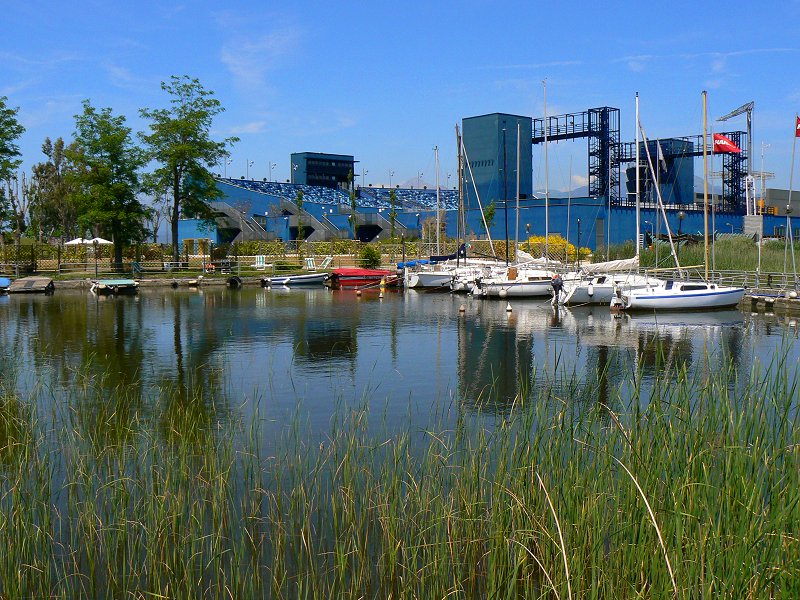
(743, 109)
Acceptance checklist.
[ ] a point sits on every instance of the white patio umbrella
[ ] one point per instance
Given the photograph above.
(77, 242)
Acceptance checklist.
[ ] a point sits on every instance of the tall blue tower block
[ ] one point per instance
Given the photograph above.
(490, 143)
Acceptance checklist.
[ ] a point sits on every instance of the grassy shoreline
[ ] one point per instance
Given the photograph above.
(693, 491)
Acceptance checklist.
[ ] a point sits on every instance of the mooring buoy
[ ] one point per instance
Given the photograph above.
(508, 307)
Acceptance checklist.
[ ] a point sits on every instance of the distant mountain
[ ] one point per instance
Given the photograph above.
(713, 188)
(578, 192)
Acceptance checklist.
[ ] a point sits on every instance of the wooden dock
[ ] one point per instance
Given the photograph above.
(31, 285)
(760, 301)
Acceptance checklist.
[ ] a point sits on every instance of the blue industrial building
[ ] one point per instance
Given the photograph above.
(322, 170)
(252, 210)
(266, 210)
(490, 146)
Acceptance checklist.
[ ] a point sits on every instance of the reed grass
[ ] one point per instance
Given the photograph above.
(737, 254)
(689, 489)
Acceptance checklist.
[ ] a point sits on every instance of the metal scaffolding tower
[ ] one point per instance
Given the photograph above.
(601, 127)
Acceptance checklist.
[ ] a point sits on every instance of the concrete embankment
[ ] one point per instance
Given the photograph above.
(766, 300)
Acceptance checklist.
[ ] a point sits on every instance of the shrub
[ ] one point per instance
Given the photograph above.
(370, 256)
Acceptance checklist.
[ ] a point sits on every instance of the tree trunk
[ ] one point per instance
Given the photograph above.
(175, 212)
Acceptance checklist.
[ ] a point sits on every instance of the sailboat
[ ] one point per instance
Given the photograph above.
(596, 283)
(681, 294)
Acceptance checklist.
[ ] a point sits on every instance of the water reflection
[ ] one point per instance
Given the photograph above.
(205, 353)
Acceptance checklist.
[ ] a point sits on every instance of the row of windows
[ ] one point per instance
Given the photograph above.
(481, 163)
(329, 163)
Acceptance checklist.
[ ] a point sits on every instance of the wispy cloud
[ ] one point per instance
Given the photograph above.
(122, 77)
(21, 61)
(719, 60)
(532, 66)
(250, 58)
(15, 88)
(247, 128)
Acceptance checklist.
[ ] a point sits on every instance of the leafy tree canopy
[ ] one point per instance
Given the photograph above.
(180, 142)
(106, 177)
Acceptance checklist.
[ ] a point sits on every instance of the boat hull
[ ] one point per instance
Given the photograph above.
(430, 280)
(659, 299)
(357, 278)
(516, 289)
(310, 279)
(115, 287)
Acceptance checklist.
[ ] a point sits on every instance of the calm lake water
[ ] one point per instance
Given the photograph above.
(278, 355)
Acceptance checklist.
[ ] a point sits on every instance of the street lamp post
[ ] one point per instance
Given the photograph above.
(681, 217)
(272, 165)
(225, 168)
(364, 173)
(729, 225)
(96, 246)
(294, 169)
(419, 177)
(248, 164)
(391, 174)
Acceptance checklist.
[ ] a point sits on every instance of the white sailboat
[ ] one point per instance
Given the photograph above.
(596, 283)
(681, 294)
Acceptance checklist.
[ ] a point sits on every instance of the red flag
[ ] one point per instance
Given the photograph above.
(797, 127)
(723, 145)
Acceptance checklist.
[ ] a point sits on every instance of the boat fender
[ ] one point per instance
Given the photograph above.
(234, 282)
(590, 289)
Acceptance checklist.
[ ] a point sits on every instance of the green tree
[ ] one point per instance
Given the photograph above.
(392, 212)
(352, 217)
(10, 132)
(488, 215)
(298, 200)
(106, 177)
(180, 142)
(52, 210)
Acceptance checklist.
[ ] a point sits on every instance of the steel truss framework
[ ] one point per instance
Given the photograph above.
(606, 153)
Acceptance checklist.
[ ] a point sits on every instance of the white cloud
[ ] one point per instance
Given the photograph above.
(247, 128)
(249, 59)
(122, 77)
(579, 181)
(544, 65)
(14, 88)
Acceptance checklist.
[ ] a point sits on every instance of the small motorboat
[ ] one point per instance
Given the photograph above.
(306, 279)
(114, 286)
(355, 277)
(4, 283)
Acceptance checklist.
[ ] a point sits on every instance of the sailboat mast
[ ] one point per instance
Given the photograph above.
(438, 210)
(638, 216)
(546, 182)
(705, 183)
(516, 227)
(661, 203)
(461, 230)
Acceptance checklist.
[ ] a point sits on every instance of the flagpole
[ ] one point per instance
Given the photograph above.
(705, 182)
(789, 205)
(546, 183)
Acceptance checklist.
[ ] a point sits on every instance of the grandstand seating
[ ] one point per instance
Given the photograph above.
(368, 197)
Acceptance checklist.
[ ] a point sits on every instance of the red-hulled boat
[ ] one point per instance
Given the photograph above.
(355, 277)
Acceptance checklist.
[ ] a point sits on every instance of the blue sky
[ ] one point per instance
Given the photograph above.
(387, 81)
